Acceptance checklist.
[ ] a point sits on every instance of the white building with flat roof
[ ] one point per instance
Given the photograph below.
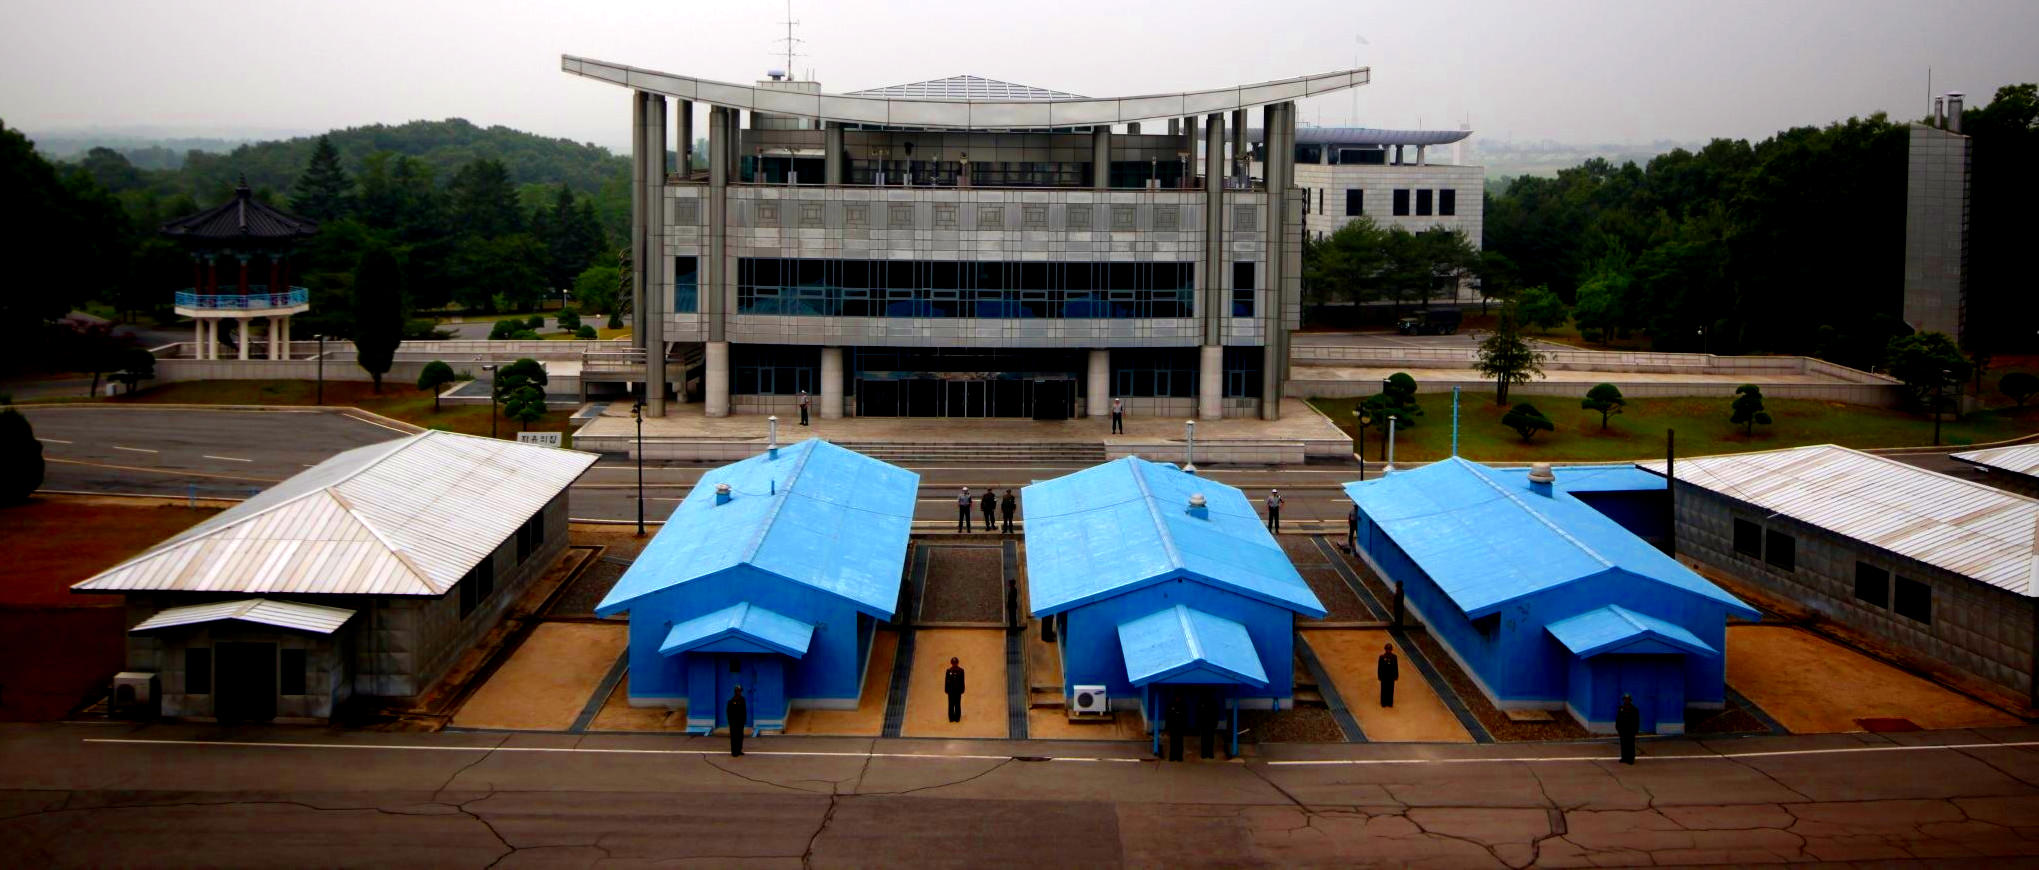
(961, 247)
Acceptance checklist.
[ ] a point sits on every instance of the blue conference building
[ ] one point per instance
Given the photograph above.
(1163, 586)
(773, 574)
(1546, 601)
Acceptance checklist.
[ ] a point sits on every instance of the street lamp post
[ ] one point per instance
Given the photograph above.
(1364, 419)
(1390, 468)
(491, 369)
(1939, 395)
(1189, 429)
(637, 414)
(322, 370)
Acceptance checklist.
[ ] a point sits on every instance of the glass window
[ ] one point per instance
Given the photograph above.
(1447, 202)
(686, 284)
(1355, 202)
(1422, 202)
(1913, 600)
(1780, 550)
(290, 672)
(1401, 202)
(1749, 539)
(197, 670)
(1872, 585)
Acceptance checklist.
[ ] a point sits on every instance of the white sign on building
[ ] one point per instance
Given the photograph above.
(542, 439)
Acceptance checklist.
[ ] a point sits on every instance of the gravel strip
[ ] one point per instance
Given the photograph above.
(964, 584)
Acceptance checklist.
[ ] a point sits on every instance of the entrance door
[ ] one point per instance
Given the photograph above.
(732, 670)
(1657, 684)
(244, 687)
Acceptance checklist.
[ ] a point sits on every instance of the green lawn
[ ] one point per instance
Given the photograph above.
(400, 401)
(1638, 433)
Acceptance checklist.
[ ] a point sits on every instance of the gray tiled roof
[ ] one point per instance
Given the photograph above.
(966, 88)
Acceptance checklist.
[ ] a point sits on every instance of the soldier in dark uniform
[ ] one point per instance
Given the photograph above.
(738, 714)
(1627, 721)
(1389, 669)
(1007, 507)
(963, 502)
(989, 507)
(952, 683)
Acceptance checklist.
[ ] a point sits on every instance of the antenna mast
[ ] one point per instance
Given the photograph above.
(790, 40)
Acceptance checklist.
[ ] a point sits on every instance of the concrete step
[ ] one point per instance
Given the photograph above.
(1046, 700)
(1309, 698)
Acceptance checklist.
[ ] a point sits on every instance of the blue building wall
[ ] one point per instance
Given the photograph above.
(1090, 638)
(831, 669)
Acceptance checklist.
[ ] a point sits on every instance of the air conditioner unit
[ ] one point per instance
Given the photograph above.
(1090, 699)
(133, 691)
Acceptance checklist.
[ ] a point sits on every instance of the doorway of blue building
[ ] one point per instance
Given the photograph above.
(1195, 719)
(245, 688)
(1655, 682)
(734, 670)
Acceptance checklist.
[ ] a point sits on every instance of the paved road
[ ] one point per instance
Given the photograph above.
(74, 796)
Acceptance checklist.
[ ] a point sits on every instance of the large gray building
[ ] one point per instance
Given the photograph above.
(962, 247)
(367, 575)
(1937, 160)
(1942, 571)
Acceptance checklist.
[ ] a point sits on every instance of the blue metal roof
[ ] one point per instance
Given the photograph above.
(1589, 478)
(1615, 629)
(1186, 645)
(741, 627)
(1486, 538)
(1127, 523)
(816, 514)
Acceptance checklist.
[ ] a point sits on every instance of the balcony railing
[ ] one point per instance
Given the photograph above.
(257, 298)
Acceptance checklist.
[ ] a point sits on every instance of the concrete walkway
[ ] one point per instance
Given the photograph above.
(1298, 422)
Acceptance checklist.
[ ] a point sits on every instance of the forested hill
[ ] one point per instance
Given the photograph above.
(445, 146)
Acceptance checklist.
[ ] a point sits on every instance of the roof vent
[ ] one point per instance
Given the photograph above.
(1540, 477)
(1197, 500)
(1954, 111)
(722, 493)
(1198, 507)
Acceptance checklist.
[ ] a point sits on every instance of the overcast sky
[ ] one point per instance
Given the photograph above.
(1585, 72)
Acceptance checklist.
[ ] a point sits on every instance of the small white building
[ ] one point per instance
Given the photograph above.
(366, 575)
(1398, 178)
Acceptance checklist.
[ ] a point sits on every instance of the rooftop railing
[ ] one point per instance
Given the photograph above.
(257, 298)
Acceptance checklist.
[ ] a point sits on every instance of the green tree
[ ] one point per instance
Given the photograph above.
(323, 192)
(585, 333)
(536, 323)
(378, 312)
(1526, 420)
(504, 329)
(2019, 386)
(93, 346)
(1605, 398)
(595, 289)
(1507, 358)
(1929, 364)
(435, 376)
(520, 387)
(1541, 308)
(1748, 408)
(482, 200)
(1397, 398)
(526, 405)
(21, 462)
(569, 318)
(137, 364)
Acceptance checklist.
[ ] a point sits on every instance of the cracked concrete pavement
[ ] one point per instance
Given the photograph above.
(77, 795)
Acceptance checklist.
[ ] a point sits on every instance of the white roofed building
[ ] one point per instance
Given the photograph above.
(1944, 569)
(368, 574)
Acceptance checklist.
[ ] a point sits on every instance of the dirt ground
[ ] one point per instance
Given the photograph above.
(984, 709)
(618, 715)
(868, 720)
(548, 680)
(964, 584)
(55, 646)
(1350, 656)
(1812, 685)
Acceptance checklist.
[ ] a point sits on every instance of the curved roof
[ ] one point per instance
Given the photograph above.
(967, 88)
(239, 219)
(989, 112)
(1370, 136)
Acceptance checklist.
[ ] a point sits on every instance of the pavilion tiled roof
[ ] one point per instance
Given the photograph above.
(240, 218)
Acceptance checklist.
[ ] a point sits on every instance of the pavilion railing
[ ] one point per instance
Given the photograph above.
(257, 298)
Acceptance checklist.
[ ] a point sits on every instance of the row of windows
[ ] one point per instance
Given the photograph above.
(1908, 598)
(1442, 202)
(986, 289)
(480, 581)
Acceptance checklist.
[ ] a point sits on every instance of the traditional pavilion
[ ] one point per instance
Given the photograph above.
(252, 241)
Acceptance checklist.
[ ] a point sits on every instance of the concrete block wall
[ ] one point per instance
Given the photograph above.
(1976, 628)
(163, 653)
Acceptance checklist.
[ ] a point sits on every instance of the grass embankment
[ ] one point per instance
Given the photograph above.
(601, 334)
(400, 401)
(1638, 432)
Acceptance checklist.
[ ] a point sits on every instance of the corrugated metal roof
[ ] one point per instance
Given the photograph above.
(1183, 644)
(403, 517)
(816, 514)
(1370, 136)
(1613, 628)
(2023, 458)
(314, 618)
(1486, 538)
(966, 88)
(1962, 526)
(1127, 523)
(758, 627)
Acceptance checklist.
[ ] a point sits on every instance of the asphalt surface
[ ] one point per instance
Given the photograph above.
(209, 453)
(171, 795)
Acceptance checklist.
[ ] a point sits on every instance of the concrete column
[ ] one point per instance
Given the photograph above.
(831, 383)
(1101, 156)
(1420, 159)
(683, 130)
(1215, 305)
(1099, 402)
(832, 142)
(650, 153)
(1189, 143)
(274, 328)
(286, 336)
(211, 350)
(715, 378)
(1210, 386)
(714, 292)
(1278, 125)
(1239, 153)
(241, 334)
(198, 340)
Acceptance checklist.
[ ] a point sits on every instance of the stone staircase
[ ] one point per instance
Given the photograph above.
(998, 453)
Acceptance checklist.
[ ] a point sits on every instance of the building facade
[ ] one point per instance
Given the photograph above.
(1391, 177)
(367, 575)
(1937, 161)
(1942, 571)
(962, 248)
